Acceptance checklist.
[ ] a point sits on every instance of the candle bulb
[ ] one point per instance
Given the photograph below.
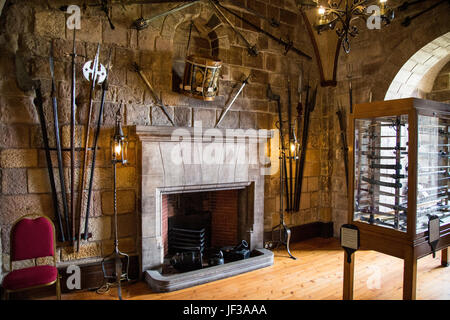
(383, 7)
(322, 19)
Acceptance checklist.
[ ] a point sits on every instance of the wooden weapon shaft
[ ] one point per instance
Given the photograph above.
(87, 136)
(72, 140)
(58, 144)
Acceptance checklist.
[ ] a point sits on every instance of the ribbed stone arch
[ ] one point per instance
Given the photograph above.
(417, 75)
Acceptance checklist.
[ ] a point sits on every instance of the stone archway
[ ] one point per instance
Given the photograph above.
(416, 77)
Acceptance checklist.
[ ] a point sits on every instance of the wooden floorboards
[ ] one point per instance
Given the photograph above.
(316, 275)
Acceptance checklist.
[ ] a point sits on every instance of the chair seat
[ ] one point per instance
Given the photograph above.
(30, 277)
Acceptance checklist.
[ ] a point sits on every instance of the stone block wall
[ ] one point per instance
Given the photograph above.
(441, 87)
(28, 28)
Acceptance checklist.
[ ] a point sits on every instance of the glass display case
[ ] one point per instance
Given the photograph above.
(398, 180)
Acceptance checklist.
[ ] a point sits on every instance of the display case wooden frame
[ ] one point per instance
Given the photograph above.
(409, 246)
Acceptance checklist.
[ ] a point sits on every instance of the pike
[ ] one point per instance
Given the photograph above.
(299, 115)
(310, 105)
(290, 203)
(343, 128)
(58, 142)
(275, 97)
(158, 101)
(72, 138)
(25, 83)
(287, 44)
(94, 147)
(230, 104)
(252, 51)
(86, 143)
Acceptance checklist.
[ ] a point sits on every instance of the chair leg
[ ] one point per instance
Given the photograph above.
(5, 294)
(58, 289)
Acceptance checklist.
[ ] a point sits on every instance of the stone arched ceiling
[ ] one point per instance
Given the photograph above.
(417, 75)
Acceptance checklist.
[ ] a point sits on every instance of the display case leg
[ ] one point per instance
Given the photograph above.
(409, 277)
(349, 268)
(444, 258)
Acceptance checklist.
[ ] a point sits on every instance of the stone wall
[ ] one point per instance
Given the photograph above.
(441, 87)
(28, 27)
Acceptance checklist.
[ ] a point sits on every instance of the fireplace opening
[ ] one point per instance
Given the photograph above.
(200, 229)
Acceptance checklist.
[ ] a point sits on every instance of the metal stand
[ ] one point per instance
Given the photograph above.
(116, 255)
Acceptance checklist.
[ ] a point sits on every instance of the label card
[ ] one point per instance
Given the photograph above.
(349, 239)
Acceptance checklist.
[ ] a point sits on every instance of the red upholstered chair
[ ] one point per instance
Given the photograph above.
(32, 237)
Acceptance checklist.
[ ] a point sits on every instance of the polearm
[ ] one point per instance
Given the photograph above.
(85, 158)
(275, 97)
(25, 83)
(341, 117)
(58, 142)
(299, 115)
(72, 138)
(94, 147)
(158, 101)
(309, 108)
(251, 49)
(291, 181)
(230, 104)
(287, 44)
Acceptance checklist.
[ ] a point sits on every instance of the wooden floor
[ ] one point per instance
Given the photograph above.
(316, 275)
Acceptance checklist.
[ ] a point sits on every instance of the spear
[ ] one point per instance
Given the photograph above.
(58, 142)
(94, 147)
(94, 66)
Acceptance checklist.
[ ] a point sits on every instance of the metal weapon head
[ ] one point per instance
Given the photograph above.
(140, 24)
(52, 65)
(252, 51)
(24, 81)
(135, 67)
(274, 23)
(271, 95)
(246, 80)
(300, 83)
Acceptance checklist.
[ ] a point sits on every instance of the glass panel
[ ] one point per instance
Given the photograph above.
(381, 171)
(433, 170)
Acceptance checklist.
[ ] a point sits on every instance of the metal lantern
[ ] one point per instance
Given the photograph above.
(119, 142)
(119, 145)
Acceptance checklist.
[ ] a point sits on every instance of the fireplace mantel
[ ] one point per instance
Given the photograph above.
(166, 134)
(164, 166)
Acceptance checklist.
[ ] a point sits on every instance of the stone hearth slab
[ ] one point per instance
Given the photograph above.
(161, 283)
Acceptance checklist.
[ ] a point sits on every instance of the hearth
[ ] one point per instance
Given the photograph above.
(221, 199)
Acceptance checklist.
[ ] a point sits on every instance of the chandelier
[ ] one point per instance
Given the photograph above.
(341, 16)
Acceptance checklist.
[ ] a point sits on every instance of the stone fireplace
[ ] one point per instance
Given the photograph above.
(186, 161)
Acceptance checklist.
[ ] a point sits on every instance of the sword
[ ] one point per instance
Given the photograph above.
(230, 104)
(141, 23)
(158, 101)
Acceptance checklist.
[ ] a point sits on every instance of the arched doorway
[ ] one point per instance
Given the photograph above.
(416, 77)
